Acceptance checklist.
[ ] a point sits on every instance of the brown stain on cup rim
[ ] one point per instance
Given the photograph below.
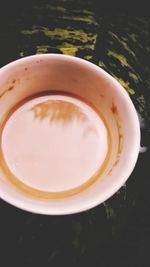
(114, 110)
(8, 88)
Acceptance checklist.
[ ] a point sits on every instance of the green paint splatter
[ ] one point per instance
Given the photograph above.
(141, 99)
(112, 64)
(56, 8)
(134, 76)
(30, 32)
(62, 34)
(74, 14)
(85, 11)
(41, 49)
(64, 10)
(111, 42)
(106, 67)
(133, 36)
(83, 40)
(109, 210)
(21, 54)
(69, 50)
(124, 38)
(88, 57)
(77, 228)
(123, 42)
(125, 85)
(89, 46)
(102, 64)
(148, 48)
(148, 83)
(87, 19)
(119, 57)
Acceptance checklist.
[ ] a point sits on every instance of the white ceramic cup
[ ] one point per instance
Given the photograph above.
(27, 76)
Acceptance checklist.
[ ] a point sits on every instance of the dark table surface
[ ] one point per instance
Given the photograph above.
(116, 233)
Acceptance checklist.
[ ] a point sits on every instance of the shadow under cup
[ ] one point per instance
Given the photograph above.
(62, 88)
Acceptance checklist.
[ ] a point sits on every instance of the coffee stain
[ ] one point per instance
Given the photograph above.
(38, 194)
(114, 108)
(63, 113)
(8, 88)
(54, 111)
(101, 95)
(120, 137)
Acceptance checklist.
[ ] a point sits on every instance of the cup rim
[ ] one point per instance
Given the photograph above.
(126, 172)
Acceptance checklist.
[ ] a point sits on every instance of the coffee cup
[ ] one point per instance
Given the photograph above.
(69, 134)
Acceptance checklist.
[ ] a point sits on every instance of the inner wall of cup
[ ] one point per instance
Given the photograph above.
(23, 79)
(35, 76)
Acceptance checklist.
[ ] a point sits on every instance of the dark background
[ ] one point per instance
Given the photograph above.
(117, 38)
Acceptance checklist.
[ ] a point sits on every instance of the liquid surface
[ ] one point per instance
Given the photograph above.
(54, 143)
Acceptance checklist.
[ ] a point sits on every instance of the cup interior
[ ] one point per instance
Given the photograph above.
(47, 74)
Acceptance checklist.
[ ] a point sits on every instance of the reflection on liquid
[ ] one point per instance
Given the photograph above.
(61, 143)
(58, 110)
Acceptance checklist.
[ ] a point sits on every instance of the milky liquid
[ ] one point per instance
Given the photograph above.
(53, 144)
